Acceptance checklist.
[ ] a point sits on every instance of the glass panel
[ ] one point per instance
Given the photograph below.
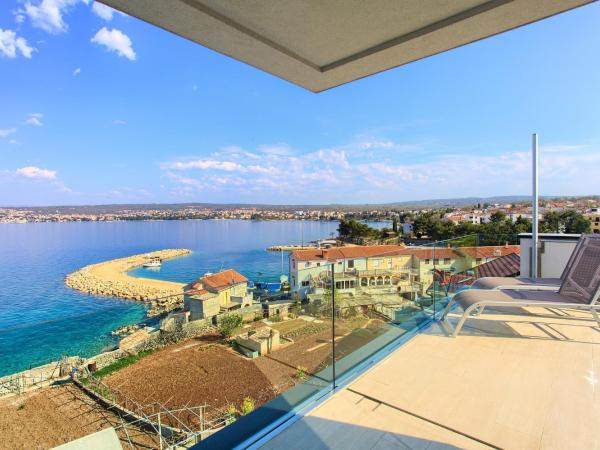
(307, 318)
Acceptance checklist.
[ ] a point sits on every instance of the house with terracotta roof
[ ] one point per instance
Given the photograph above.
(383, 269)
(216, 293)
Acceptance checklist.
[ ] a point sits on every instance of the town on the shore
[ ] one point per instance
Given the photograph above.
(455, 212)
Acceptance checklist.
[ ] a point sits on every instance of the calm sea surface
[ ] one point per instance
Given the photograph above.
(41, 319)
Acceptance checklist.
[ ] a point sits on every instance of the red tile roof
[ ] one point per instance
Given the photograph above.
(430, 252)
(218, 281)
(332, 254)
(505, 266)
(490, 251)
(337, 253)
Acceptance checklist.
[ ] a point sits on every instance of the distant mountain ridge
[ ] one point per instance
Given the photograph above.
(412, 204)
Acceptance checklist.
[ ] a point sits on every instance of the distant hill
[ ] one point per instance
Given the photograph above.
(413, 204)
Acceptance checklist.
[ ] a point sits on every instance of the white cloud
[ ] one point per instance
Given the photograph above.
(4, 132)
(48, 14)
(76, 71)
(11, 45)
(205, 164)
(281, 149)
(336, 175)
(119, 122)
(35, 119)
(103, 11)
(13, 142)
(115, 41)
(36, 173)
(194, 87)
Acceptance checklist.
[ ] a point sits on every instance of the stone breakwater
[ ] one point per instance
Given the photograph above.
(110, 278)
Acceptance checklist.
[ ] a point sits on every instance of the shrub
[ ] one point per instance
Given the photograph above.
(121, 364)
(276, 318)
(229, 323)
(247, 406)
(301, 372)
(231, 414)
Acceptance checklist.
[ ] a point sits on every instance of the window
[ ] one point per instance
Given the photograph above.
(446, 260)
(307, 264)
(350, 264)
(376, 262)
(478, 260)
(318, 264)
(305, 283)
(427, 261)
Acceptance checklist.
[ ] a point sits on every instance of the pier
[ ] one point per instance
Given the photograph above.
(110, 278)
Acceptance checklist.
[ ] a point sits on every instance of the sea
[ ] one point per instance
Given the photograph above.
(42, 320)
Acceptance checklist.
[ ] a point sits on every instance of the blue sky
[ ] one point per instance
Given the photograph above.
(99, 107)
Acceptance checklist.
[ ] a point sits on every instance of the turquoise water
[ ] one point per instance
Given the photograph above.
(41, 319)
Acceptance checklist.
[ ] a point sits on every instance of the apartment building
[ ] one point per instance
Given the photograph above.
(381, 269)
(594, 217)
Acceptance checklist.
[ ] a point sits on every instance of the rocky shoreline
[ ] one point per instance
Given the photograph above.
(110, 278)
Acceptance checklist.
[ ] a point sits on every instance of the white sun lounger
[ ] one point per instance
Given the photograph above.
(580, 289)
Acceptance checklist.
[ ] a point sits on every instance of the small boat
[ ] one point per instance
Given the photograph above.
(153, 263)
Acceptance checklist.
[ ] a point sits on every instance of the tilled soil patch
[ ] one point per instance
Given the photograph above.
(52, 416)
(193, 375)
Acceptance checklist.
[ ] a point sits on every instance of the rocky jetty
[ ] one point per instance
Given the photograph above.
(110, 279)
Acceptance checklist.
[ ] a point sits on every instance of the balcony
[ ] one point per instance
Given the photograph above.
(507, 382)
(514, 378)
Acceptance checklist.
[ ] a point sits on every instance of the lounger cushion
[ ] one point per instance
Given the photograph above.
(494, 282)
(472, 296)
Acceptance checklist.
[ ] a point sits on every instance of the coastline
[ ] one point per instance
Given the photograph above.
(110, 278)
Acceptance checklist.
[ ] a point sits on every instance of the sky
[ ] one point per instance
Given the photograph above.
(98, 107)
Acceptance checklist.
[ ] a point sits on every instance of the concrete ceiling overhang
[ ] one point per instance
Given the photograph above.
(320, 44)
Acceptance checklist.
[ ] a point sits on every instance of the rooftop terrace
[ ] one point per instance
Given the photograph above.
(508, 381)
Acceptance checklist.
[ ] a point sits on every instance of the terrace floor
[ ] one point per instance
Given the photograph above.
(518, 381)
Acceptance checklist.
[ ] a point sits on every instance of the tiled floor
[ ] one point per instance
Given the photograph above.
(518, 381)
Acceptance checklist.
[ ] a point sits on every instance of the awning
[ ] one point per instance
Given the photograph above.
(319, 44)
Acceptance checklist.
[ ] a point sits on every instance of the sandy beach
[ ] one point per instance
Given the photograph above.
(110, 278)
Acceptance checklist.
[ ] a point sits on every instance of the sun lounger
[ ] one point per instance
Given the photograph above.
(538, 284)
(580, 289)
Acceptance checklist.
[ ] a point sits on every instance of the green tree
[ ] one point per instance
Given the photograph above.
(355, 229)
(575, 223)
(522, 225)
(551, 222)
(569, 221)
(229, 323)
(498, 217)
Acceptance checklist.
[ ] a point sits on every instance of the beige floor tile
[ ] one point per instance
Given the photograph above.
(523, 382)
